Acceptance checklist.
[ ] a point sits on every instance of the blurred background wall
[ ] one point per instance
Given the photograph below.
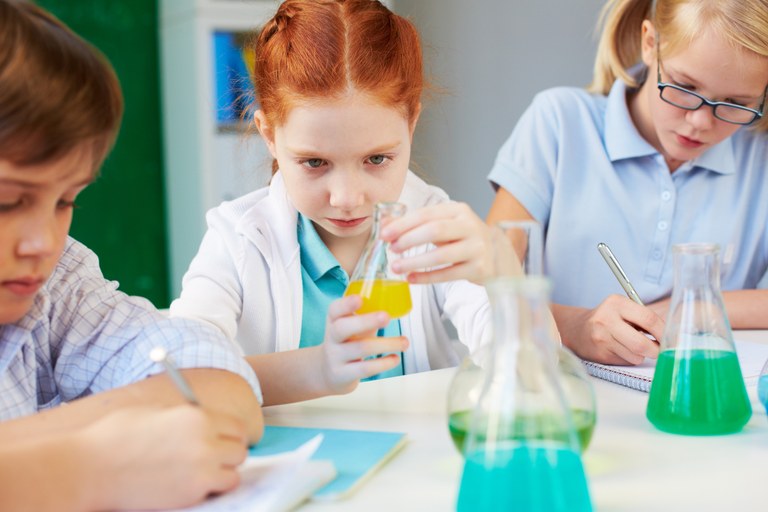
(490, 57)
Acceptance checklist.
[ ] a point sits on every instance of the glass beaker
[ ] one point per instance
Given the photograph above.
(521, 450)
(697, 387)
(762, 387)
(373, 279)
(513, 238)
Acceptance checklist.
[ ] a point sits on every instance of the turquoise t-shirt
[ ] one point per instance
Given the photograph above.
(323, 281)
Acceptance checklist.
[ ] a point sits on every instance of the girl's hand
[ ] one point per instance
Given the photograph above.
(613, 332)
(155, 458)
(463, 248)
(350, 339)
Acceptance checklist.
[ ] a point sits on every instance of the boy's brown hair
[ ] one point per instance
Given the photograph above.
(57, 92)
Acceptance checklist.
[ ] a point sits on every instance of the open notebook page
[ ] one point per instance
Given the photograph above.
(752, 357)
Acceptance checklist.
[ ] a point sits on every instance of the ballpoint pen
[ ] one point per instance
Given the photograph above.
(613, 263)
(160, 355)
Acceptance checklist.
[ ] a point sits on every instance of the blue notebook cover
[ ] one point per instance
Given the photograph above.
(356, 454)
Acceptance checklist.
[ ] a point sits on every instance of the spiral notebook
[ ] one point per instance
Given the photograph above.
(752, 356)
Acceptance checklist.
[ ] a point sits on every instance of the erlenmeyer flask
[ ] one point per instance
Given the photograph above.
(697, 388)
(521, 450)
(512, 238)
(762, 386)
(380, 288)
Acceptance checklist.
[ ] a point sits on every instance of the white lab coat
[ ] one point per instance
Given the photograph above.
(246, 280)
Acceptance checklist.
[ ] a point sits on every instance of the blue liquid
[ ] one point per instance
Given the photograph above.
(526, 477)
(762, 391)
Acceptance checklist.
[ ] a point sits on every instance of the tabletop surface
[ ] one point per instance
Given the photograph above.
(630, 465)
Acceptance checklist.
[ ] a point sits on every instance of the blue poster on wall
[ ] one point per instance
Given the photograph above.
(234, 89)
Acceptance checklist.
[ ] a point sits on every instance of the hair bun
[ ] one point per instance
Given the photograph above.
(284, 14)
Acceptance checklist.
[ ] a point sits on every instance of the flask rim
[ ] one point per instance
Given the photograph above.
(696, 248)
(529, 283)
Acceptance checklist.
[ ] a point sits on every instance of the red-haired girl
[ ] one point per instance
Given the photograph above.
(338, 85)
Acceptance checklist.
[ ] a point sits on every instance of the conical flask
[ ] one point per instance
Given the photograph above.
(373, 279)
(762, 387)
(697, 388)
(521, 450)
(512, 238)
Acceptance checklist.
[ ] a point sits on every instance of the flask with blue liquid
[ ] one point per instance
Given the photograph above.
(521, 450)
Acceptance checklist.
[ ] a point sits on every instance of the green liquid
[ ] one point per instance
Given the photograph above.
(698, 392)
(526, 477)
(526, 428)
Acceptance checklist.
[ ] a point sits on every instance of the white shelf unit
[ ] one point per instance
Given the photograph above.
(204, 165)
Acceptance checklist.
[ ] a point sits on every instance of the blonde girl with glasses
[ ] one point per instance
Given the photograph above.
(667, 145)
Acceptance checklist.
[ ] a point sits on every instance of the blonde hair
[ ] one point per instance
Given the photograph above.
(742, 22)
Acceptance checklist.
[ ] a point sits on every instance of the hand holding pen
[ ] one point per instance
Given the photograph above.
(622, 278)
(160, 355)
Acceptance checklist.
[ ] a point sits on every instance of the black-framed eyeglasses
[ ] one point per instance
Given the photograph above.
(689, 100)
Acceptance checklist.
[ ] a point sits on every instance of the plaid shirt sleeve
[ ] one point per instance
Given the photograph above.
(101, 337)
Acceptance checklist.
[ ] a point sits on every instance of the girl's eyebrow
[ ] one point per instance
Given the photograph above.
(681, 76)
(382, 148)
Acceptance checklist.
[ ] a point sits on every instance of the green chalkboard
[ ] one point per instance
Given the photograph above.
(122, 215)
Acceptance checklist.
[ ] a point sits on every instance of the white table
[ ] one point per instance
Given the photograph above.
(631, 466)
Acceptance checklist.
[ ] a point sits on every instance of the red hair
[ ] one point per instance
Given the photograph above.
(316, 49)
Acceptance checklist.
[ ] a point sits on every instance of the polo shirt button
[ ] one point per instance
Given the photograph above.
(666, 195)
(662, 226)
(657, 254)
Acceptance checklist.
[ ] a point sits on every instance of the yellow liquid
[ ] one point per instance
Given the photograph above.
(394, 297)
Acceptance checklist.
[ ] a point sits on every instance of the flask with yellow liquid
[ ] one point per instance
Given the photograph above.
(380, 288)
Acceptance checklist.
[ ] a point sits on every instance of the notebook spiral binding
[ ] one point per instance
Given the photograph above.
(618, 377)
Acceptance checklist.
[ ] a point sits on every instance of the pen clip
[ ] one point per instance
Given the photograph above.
(621, 276)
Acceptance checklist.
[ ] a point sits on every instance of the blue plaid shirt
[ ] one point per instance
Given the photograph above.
(83, 336)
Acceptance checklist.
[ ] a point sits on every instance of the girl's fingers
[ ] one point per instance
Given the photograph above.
(355, 350)
(415, 218)
(344, 306)
(368, 367)
(462, 251)
(631, 345)
(436, 224)
(352, 326)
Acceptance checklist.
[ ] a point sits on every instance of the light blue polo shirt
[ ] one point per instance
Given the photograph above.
(579, 166)
(323, 281)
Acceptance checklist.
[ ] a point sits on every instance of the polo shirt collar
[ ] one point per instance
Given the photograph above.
(623, 141)
(316, 259)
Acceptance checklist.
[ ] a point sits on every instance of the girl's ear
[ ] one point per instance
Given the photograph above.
(648, 44)
(266, 131)
(415, 121)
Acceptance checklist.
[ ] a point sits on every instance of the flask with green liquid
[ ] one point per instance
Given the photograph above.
(521, 450)
(697, 388)
(513, 238)
(373, 279)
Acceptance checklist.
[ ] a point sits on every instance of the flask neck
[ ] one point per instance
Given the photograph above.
(697, 267)
(519, 308)
(382, 214)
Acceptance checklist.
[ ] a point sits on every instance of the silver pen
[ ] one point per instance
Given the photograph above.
(613, 263)
(160, 355)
